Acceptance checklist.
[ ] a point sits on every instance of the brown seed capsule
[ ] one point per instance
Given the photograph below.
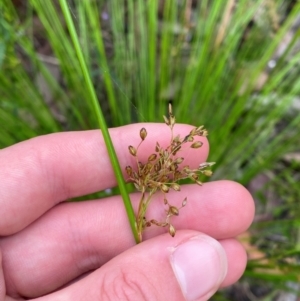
(199, 128)
(207, 173)
(167, 121)
(132, 150)
(154, 222)
(137, 186)
(203, 132)
(196, 144)
(179, 160)
(172, 121)
(175, 150)
(164, 178)
(152, 157)
(186, 168)
(177, 175)
(135, 175)
(157, 147)
(157, 167)
(143, 133)
(193, 132)
(173, 167)
(164, 188)
(174, 210)
(175, 186)
(147, 168)
(190, 139)
(172, 230)
(128, 170)
(176, 139)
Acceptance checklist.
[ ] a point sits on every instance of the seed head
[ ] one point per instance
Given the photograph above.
(167, 121)
(207, 172)
(152, 157)
(173, 210)
(157, 147)
(196, 144)
(190, 139)
(143, 133)
(175, 186)
(132, 150)
(164, 188)
(179, 160)
(129, 170)
(172, 121)
(172, 230)
(161, 172)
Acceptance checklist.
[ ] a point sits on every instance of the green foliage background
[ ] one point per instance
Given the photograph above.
(211, 59)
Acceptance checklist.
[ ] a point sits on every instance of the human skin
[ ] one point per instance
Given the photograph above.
(57, 250)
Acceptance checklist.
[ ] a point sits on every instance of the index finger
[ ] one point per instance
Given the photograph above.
(37, 174)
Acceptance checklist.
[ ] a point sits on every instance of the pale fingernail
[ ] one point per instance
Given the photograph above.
(200, 266)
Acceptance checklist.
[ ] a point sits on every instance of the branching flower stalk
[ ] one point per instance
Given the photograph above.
(162, 171)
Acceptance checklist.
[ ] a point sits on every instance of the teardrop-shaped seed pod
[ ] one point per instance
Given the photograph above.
(172, 121)
(157, 167)
(190, 139)
(207, 172)
(179, 160)
(193, 132)
(157, 147)
(164, 188)
(132, 150)
(175, 186)
(167, 121)
(152, 157)
(172, 230)
(128, 170)
(143, 133)
(174, 210)
(196, 144)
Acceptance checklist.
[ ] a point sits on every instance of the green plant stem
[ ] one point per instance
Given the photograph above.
(100, 119)
(142, 211)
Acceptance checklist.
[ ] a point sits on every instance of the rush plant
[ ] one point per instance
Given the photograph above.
(162, 171)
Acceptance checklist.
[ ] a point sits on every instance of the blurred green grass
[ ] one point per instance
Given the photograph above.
(218, 62)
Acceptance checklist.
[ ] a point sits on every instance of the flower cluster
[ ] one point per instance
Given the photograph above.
(162, 171)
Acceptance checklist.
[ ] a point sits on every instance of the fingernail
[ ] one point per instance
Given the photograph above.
(200, 265)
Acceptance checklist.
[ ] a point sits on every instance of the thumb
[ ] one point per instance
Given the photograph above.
(190, 266)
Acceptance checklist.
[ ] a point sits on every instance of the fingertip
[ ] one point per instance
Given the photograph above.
(231, 206)
(237, 261)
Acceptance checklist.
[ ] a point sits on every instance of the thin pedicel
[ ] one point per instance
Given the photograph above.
(162, 171)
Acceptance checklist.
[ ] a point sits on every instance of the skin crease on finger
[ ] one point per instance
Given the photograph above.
(49, 169)
(220, 209)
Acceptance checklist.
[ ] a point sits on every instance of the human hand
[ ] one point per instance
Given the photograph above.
(85, 250)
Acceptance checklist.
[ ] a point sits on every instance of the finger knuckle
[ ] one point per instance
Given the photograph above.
(127, 286)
